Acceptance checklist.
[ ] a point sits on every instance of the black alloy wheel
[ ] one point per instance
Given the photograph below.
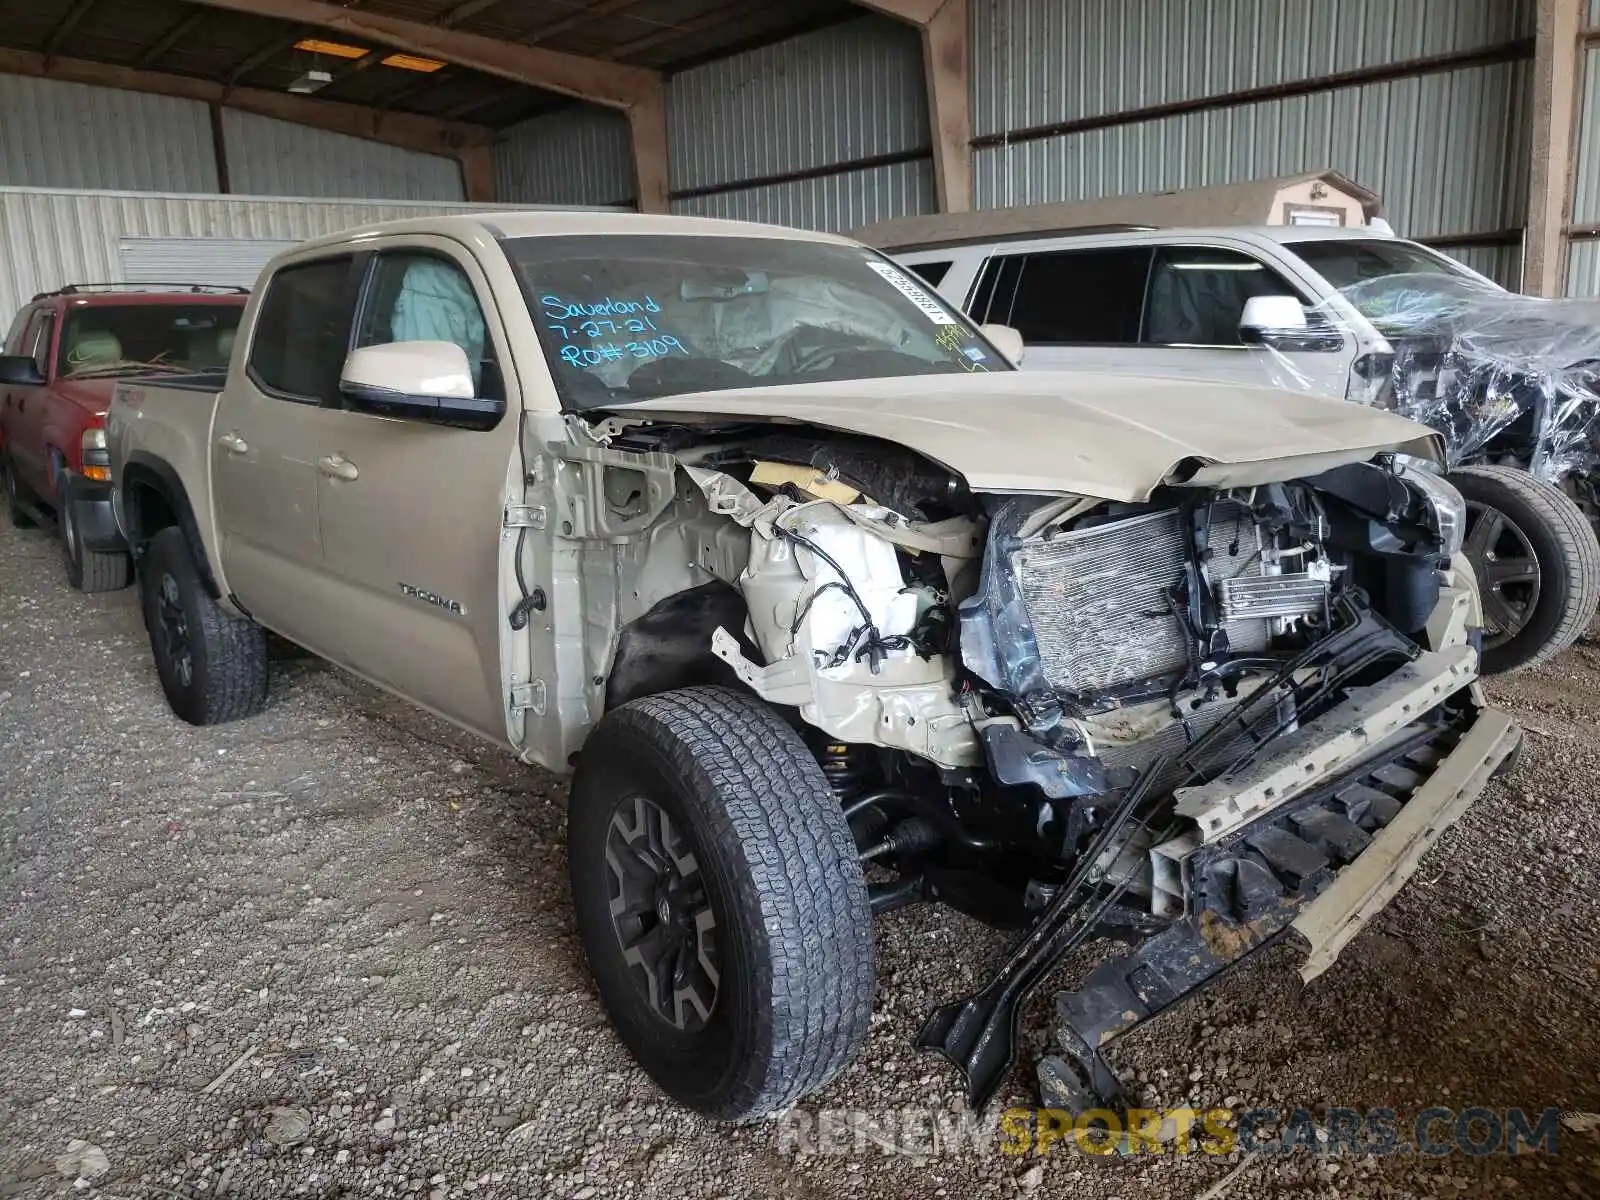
(1508, 572)
(661, 914)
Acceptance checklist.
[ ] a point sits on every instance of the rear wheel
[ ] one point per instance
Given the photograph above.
(88, 570)
(720, 900)
(212, 663)
(1537, 563)
(13, 491)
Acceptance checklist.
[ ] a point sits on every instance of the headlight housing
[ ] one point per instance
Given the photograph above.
(1448, 505)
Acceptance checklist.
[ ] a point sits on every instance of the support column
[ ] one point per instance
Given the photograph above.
(945, 56)
(647, 119)
(1555, 101)
(944, 63)
(477, 174)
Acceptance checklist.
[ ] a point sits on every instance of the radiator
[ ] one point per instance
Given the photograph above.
(1097, 597)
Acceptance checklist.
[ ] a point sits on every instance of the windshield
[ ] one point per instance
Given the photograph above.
(1369, 271)
(627, 318)
(126, 339)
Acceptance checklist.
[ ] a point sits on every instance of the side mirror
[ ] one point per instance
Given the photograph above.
(19, 369)
(1266, 315)
(417, 381)
(1006, 340)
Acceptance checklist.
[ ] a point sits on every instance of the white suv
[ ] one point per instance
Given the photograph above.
(1296, 306)
(1179, 301)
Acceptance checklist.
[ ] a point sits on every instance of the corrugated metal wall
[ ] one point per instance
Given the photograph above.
(1036, 62)
(841, 95)
(1448, 150)
(580, 155)
(50, 238)
(67, 135)
(830, 202)
(1583, 270)
(277, 158)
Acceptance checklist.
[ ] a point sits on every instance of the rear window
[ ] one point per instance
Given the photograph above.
(130, 339)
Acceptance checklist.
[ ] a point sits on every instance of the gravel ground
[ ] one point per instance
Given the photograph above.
(328, 951)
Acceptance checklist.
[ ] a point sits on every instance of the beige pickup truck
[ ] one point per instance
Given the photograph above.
(828, 610)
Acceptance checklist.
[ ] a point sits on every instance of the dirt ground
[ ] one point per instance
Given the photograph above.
(329, 952)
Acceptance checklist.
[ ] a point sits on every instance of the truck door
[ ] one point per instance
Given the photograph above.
(264, 439)
(412, 512)
(25, 407)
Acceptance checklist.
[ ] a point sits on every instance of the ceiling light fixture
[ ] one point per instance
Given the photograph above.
(332, 49)
(310, 82)
(410, 62)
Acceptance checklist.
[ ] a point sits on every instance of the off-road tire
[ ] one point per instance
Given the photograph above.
(227, 654)
(794, 928)
(1567, 552)
(13, 495)
(89, 570)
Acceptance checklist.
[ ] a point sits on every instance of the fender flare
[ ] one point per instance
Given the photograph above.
(145, 470)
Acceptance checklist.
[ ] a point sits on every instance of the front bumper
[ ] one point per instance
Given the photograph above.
(1317, 869)
(94, 513)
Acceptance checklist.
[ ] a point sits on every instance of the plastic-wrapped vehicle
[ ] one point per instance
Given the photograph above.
(1344, 312)
(828, 610)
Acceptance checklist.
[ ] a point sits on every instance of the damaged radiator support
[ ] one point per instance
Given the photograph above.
(978, 1034)
(1263, 884)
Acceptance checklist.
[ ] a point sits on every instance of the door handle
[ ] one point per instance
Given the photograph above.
(233, 443)
(337, 466)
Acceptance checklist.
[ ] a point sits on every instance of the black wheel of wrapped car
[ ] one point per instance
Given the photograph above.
(720, 901)
(212, 663)
(1537, 563)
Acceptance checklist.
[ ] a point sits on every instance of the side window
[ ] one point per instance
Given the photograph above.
(1197, 295)
(1074, 297)
(420, 297)
(931, 273)
(302, 331)
(36, 342)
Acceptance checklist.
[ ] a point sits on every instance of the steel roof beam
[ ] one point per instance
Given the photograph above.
(638, 92)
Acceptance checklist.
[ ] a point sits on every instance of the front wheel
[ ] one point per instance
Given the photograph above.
(212, 663)
(88, 570)
(19, 516)
(720, 900)
(1537, 563)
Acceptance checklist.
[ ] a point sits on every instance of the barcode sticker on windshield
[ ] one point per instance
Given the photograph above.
(897, 280)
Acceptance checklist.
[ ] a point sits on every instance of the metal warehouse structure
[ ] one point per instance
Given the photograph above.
(1477, 120)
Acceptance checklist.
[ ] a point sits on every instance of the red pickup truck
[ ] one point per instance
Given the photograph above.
(63, 356)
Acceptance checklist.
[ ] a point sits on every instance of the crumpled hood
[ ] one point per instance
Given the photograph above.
(1113, 437)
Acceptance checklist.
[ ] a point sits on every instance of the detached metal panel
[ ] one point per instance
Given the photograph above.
(848, 92)
(1448, 152)
(1038, 62)
(51, 238)
(832, 203)
(580, 155)
(267, 157)
(69, 135)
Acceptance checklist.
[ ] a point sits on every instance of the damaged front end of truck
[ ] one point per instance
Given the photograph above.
(1229, 708)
